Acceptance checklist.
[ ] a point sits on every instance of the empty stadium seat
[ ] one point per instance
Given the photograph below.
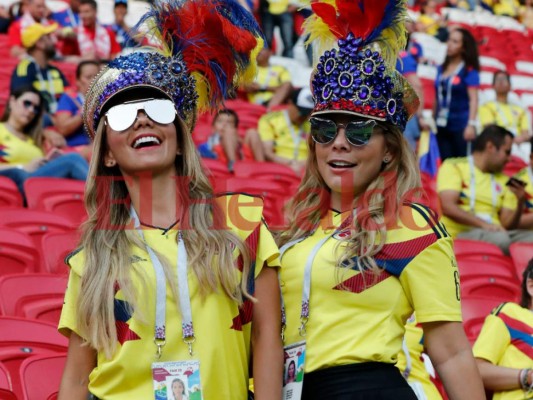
(55, 246)
(33, 296)
(17, 252)
(514, 165)
(521, 253)
(60, 196)
(493, 287)
(20, 339)
(37, 385)
(215, 168)
(9, 193)
(266, 171)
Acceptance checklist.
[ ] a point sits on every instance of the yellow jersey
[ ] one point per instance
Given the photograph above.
(510, 116)
(14, 150)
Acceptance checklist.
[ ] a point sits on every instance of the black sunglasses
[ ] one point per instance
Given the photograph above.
(28, 104)
(358, 133)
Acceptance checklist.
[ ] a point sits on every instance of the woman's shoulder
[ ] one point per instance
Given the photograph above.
(243, 212)
(75, 260)
(421, 219)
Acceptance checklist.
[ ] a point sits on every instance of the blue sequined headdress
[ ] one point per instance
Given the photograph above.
(359, 42)
(208, 47)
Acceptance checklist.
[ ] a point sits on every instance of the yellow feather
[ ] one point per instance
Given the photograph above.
(202, 88)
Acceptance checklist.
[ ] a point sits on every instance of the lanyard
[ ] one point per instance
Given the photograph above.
(306, 289)
(530, 174)
(296, 137)
(512, 125)
(161, 293)
(72, 18)
(45, 86)
(473, 186)
(440, 93)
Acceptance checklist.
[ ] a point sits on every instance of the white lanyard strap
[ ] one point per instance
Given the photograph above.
(408, 361)
(511, 125)
(296, 136)
(161, 292)
(440, 95)
(530, 175)
(473, 186)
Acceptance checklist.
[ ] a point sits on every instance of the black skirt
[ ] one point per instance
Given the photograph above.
(365, 381)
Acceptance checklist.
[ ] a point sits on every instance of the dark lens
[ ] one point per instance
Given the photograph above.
(323, 131)
(358, 133)
(28, 104)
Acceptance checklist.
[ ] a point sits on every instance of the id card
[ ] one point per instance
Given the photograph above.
(177, 380)
(293, 375)
(442, 118)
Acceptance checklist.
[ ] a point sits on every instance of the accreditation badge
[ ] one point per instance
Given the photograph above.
(442, 118)
(177, 380)
(293, 375)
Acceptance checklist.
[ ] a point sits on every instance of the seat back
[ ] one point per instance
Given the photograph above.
(55, 248)
(475, 310)
(521, 253)
(9, 193)
(38, 385)
(267, 171)
(494, 287)
(17, 252)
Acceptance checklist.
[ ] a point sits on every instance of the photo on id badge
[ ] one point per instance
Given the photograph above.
(176, 381)
(294, 371)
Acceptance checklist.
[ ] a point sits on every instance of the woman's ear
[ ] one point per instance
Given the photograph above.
(109, 159)
(529, 287)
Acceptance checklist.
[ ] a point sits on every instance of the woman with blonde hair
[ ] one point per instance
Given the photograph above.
(359, 255)
(170, 280)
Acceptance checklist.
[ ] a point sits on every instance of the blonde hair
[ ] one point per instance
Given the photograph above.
(108, 244)
(377, 207)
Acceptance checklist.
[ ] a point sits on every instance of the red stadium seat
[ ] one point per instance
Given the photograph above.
(17, 252)
(60, 196)
(481, 258)
(521, 253)
(5, 380)
(494, 287)
(38, 385)
(20, 339)
(216, 168)
(32, 296)
(266, 171)
(9, 193)
(56, 246)
(475, 310)
(492, 268)
(514, 165)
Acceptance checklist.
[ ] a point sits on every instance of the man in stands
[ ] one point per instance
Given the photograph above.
(526, 175)
(511, 116)
(474, 193)
(95, 42)
(35, 12)
(122, 31)
(284, 133)
(35, 68)
(69, 20)
(272, 85)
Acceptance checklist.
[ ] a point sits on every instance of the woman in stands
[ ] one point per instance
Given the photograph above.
(503, 349)
(170, 281)
(21, 143)
(359, 257)
(455, 107)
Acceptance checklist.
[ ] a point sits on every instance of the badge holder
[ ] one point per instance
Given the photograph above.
(177, 377)
(442, 118)
(293, 375)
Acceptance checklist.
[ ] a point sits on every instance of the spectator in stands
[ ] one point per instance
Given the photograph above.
(95, 42)
(511, 116)
(35, 11)
(472, 192)
(224, 143)
(411, 363)
(429, 20)
(69, 17)
(69, 20)
(526, 175)
(5, 19)
(35, 69)
(22, 143)
(456, 87)
(284, 133)
(278, 13)
(272, 85)
(122, 31)
(171, 231)
(510, 8)
(68, 118)
(503, 348)
(356, 252)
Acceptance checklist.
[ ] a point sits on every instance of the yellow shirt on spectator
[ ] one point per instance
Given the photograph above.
(290, 141)
(506, 340)
(278, 6)
(431, 24)
(411, 364)
(510, 116)
(273, 75)
(526, 175)
(14, 150)
(488, 194)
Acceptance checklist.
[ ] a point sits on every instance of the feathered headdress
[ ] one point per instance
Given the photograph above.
(207, 48)
(359, 42)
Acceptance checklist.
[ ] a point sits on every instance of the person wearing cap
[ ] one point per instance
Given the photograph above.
(169, 279)
(35, 69)
(359, 255)
(283, 133)
(35, 12)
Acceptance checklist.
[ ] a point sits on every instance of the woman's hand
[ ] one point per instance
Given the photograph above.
(55, 139)
(469, 133)
(35, 164)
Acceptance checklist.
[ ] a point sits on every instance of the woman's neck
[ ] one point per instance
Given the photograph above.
(154, 197)
(15, 127)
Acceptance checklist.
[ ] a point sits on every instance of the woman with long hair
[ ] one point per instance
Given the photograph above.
(359, 256)
(456, 86)
(170, 277)
(22, 143)
(503, 347)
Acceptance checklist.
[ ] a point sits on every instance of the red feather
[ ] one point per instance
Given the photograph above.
(328, 14)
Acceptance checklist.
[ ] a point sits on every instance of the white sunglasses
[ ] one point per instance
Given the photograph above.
(122, 116)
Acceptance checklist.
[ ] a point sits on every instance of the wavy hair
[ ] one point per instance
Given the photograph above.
(377, 208)
(108, 239)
